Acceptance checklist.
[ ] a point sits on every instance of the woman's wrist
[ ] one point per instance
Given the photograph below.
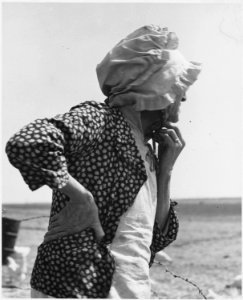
(164, 176)
(76, 192)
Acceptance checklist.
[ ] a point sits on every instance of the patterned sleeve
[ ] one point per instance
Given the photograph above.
(40, 150)
(161, 240)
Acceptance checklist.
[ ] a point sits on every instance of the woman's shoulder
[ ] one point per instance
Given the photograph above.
(91, 105)
(102, 110)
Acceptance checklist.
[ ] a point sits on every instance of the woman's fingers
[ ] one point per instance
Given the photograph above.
(174, 136)
(99, 232)
(171, 147)
(57, 229)
(168, 140)
(52, 236)
(177, 131)
(54, 225)
(54, 218)
(61, 231)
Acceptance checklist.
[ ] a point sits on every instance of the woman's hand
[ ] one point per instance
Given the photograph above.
(170, 147)
(80, 213)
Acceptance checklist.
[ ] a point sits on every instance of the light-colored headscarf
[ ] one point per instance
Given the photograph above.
(146, 70)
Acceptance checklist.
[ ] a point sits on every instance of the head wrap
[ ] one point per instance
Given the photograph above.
(146, 70)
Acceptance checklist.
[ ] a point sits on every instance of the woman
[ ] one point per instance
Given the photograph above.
(111, 209)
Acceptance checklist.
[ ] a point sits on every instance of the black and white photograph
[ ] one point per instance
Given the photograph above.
(121, 151)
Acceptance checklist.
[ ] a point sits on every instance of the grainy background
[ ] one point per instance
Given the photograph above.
(207, 250)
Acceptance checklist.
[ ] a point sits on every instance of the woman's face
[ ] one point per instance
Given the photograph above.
(173, 110)
(154, 120)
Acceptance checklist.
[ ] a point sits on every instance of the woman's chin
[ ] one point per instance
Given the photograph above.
(173, 119)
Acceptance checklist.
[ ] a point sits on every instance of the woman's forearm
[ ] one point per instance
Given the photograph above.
(75, 191)
(163, 199)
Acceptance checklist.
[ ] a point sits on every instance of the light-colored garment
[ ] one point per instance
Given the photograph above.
(131, 245)
(146, 70)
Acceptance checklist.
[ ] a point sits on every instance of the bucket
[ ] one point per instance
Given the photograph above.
(10, 229)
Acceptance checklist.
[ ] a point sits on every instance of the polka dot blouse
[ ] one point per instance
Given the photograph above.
(94, 144)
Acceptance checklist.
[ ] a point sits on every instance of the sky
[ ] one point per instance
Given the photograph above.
(49, 56)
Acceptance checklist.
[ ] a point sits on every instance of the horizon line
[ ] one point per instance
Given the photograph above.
(238, 198)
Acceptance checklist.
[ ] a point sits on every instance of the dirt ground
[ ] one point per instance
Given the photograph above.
(207, 251)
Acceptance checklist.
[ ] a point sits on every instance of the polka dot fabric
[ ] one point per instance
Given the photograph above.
(74, 266)
(94, 144)
(161, 241)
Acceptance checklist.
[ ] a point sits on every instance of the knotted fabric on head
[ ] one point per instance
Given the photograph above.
(146, 70)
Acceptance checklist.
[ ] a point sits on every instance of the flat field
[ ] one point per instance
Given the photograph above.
(207, 251)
